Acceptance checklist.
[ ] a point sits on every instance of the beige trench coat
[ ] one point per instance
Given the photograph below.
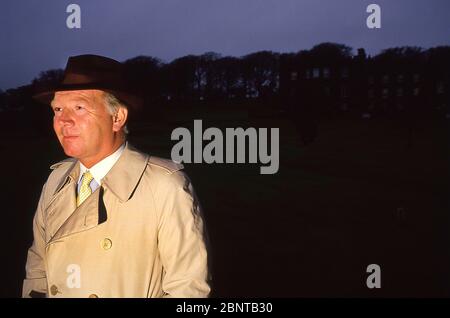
(140, 234)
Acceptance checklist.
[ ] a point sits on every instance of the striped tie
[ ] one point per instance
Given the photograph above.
(85, 189)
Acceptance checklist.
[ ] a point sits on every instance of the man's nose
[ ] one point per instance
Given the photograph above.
(65, 117)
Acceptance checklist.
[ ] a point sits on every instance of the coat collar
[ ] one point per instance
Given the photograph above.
(123, 177)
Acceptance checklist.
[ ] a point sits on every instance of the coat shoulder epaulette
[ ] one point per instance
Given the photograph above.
(166, 164)
(67, 161)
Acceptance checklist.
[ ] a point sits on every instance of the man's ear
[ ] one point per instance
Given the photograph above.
(120, 118)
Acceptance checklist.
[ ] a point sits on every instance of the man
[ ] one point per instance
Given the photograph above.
(111, 221)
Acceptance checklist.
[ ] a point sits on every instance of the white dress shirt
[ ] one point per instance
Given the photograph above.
(100, 169)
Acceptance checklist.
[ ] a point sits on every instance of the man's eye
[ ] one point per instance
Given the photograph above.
(56, 109)
(78, 107)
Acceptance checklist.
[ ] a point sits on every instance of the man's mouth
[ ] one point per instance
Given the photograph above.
(69, 137)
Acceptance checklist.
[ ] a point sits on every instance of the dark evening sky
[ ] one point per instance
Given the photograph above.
(34, 36)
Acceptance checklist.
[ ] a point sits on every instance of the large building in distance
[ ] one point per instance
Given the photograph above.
(327, 80)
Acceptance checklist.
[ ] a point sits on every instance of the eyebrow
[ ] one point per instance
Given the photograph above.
(76, 99)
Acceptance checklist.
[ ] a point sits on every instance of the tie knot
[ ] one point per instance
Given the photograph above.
(87, 178)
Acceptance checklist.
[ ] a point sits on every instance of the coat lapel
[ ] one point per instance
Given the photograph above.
(121, 180)
(60, 209)
(63, 202)
(83, 218)
(125, 175)
(64, 217)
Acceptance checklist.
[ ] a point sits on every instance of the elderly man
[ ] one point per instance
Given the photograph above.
(111, 221)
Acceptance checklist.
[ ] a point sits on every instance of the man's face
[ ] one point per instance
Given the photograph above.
(83, 125)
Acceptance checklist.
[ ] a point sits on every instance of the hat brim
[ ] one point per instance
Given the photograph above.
(45, 96)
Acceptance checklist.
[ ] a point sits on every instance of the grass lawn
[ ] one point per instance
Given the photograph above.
(357, 195)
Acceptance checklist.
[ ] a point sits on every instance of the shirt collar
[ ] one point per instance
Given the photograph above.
(101, 168)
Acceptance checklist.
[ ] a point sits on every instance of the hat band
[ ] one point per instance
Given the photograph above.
(76, 78)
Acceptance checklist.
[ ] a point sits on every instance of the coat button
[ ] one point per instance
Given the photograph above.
(106, 244)
(93, 296)
(53, 290)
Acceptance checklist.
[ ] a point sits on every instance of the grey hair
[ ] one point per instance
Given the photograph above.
(113, 105)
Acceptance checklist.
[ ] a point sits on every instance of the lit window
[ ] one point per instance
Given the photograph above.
(316, 72)
(326, 72)
(294, 76)
(416, 91)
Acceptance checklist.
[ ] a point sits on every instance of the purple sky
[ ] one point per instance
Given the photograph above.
(34, 36)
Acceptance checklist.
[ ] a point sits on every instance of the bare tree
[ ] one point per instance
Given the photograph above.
(260, 73)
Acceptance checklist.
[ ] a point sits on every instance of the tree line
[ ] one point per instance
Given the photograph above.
(213, 77)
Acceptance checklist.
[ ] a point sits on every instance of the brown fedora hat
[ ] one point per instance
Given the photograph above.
(92, 72)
